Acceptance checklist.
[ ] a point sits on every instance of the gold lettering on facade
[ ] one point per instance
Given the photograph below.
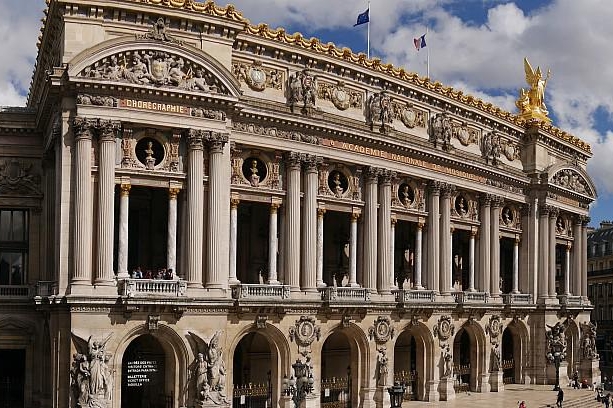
(399, 158)
(154, 106)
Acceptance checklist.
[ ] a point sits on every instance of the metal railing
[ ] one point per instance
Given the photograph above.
(260, 291)
(414, 296)
(344, 294)
(409, 380)
(152, 287)
(471, 297)
(252, 395)
(335, 393)
(517, 298)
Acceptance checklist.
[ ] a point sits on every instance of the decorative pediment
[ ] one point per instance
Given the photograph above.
(155, 68)
(571, 179)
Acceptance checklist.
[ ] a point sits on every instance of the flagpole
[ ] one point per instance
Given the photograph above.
(368, 34)
(427, 57)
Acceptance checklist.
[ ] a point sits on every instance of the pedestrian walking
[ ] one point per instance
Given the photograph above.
(522, 404)
(607, 400)
(560, 398)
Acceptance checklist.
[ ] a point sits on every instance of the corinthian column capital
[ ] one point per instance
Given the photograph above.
(108, 130)
(312, 162)
(83, 128)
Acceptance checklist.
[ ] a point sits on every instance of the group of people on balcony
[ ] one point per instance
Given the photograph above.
(161, 273)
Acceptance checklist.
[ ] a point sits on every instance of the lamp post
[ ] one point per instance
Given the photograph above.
(396, 394)
(556, 356)
(556, 341)
(301, 386)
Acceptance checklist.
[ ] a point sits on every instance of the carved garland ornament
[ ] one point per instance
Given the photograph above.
(19, 177)
(304, 332)
(256, 76)
(382, 330)
(444, 328)
(409, 115)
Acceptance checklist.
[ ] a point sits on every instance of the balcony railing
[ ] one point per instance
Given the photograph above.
(517, 298)
(570, 300)
(260, 291)
(46, 288)
(15, 291)
(153, 287)
(471, 297)
(414, 296)
(344, 294)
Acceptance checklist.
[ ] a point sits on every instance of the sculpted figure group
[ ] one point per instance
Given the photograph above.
(91, 376)
(209, 371)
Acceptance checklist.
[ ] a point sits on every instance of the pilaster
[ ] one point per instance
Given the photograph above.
(434, 191)
(292, 218)
(370, 229)
(385, 214)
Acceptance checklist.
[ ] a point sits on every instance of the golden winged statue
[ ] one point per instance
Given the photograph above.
(531, 102)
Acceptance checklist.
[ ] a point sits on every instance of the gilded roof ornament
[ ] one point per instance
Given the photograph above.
(531, 102)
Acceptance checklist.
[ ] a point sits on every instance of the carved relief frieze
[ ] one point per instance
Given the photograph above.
(155, 68)
(441, 131)
(444, 329)
(570, 179)
(494, 328)
(491, 148)
(19, 177)
(256, 76)
(274, 132)
(208, 113)
(97, 100)
(302, 91)
(409, 115)
(341, 96)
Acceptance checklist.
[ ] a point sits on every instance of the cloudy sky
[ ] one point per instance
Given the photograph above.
(475, 45)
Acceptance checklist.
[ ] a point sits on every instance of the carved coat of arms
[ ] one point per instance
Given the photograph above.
(256, 77)
(304, 332)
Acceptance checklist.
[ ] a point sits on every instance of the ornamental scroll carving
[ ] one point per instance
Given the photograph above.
(91, 376)
(382, 330)
(258, 77)
(274, 132)
(155, 68)
(304, 332)
(444, 329)
(96, 100)
(571, 180)
(340, 96)
(18, 176)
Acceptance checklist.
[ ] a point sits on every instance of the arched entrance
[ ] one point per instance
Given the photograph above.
(252, 368)
(145, 382)
(411, 357)
(336, 371)
(463, 362)
(573, 350)
(510, 374)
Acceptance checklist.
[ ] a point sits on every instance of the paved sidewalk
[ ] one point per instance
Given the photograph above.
(536, 396)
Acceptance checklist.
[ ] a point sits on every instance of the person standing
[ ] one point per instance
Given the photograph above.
(560, 398)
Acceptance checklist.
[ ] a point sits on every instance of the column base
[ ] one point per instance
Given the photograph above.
(322, 285)
(590, 370)
(431, 394)
(123, 275)
(484, 383)
(445, 389)
(354, 285)
(81, 287)
(382, 397)
(272, 282)
(496, 381)
(105, 289)
(233, 282)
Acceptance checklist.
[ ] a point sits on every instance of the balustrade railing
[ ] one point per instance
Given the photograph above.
(152, 287)
(260, 291)
(414, 296)
(46, 288)
(570, 300)
(471, 297)
(517, 298)
(344, 294)
(15, 291)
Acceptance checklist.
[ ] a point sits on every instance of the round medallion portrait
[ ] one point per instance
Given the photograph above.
(254, 170)
(149, 152)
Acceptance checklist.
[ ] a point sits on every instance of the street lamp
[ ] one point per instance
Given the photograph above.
(396, 394)
(301, 386)
(556, 342)
(556, 356)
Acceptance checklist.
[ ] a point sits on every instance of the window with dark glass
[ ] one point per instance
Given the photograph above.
(13, 246)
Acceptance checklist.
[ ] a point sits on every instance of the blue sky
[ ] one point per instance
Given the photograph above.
(475, 45)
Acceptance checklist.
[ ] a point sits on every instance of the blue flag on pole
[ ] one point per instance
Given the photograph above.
(362, 18)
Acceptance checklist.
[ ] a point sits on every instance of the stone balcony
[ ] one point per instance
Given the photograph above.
(152, 287)
(517, 299)
(344, 294)
(260, 292)
(414, 296)
(471, 297)
(16, 291)
(570, 300)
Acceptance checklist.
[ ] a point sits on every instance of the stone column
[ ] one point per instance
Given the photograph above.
(273, 245)
(320, 247)
(106, 203)
(234, 202)
(567, 270)
(370, 229)
(495, 247)
(418, 254)
(215, 224)
(516, 264)
(353, 250)
(584, 223)
(83, 130)
(543, 251)
(122, 244)
(434, 191)
(292, 218)
(553, 215)
(445, 241)
(308, 281)
(577, 257)
(471, 260)
(393, 221)
(385, 216)
(484, 244)
(172, 230)
(195, 212)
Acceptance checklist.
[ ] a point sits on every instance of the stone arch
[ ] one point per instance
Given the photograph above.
(425, 364)
(479, 354)
(176, 352)
(361, 366)
(519, 333)
(573, 349)
(110, 47)
(280, 351)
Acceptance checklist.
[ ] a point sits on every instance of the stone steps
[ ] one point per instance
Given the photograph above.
(588, 400)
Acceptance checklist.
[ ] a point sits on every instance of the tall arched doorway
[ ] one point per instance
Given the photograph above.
(410, 364)
(144, 379)
(252, 368)
(509, 375)
(464, 362)
(336, 371)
